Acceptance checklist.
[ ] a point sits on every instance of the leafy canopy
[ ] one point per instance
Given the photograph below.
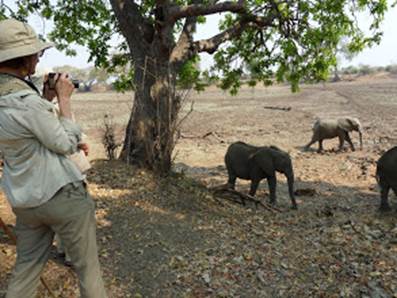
(300, 42)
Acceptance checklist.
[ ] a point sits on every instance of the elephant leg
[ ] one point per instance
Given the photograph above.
(272, 182)
(290, 181)
(320, 146)
(254, 187)
(348, 139)
(231, 182)
(307, 146)
(384, 193)
(341, 137)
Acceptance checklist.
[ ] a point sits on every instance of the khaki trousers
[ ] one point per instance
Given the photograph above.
(70, 214)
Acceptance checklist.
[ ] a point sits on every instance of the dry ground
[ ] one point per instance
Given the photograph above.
(172, 238)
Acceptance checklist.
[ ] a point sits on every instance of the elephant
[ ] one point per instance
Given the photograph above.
(329, 129)
(386, 176)
(253, 163)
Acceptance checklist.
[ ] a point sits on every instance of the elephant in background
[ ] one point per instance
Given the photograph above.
(329, 129)
(386, 176)
(253, 163)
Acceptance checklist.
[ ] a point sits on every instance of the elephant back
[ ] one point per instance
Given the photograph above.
(239, 153)
(241, 148)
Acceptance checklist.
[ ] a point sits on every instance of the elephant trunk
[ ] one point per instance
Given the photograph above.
(360, 134)
(290, 180)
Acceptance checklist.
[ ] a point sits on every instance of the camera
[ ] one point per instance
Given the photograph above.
(52, 82)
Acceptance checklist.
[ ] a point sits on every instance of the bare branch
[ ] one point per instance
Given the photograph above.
(177, 12)
(211, 45)
(2, 4)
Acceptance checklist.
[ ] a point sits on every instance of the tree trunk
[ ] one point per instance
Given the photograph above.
(149, 140)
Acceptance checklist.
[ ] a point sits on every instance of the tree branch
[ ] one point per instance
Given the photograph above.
(211, 45)
(127, 13)
(182, 50)
(177, 12)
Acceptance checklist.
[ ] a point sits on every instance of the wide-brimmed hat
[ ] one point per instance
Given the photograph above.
(18, 39)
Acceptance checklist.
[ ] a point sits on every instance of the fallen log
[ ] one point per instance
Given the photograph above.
(207, 134)
(285, 109)
(223, 189)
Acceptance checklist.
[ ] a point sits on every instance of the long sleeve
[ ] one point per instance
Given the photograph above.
(60, 135)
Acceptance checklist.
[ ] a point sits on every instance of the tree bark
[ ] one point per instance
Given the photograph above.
(150, 134)
(149, 137)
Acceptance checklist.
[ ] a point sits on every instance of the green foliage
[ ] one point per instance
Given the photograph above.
(124, 82)
(299, 44)
(189, 75)
(90, 23)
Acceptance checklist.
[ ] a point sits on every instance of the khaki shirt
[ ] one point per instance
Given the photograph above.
(34, 143)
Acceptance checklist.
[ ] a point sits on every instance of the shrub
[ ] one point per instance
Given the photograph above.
(350, 70)
(109, 137)
(365, 70)
(391, 68)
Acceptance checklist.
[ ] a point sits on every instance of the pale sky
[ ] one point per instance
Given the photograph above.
(379, 55)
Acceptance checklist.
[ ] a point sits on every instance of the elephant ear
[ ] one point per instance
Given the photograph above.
(347, 124)
(264, 160)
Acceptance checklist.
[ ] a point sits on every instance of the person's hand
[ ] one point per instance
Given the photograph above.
(64, 89)
(84, 147)
(48, 93)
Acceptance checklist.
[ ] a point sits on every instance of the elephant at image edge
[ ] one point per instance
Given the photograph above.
(329, 129)
(386, 176)
(253, 163)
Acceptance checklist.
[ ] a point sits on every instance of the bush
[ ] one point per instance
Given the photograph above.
(365, 70)
(379, 68)
(109, 137)
(350, 70)
(391, 68)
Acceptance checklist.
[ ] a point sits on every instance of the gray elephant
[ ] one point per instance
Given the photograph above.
(253, 163)
(329, 129)
(386, 175)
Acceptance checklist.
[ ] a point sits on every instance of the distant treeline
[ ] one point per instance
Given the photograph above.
(366, 69)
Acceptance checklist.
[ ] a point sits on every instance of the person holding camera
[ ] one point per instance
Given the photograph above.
(44, 187)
